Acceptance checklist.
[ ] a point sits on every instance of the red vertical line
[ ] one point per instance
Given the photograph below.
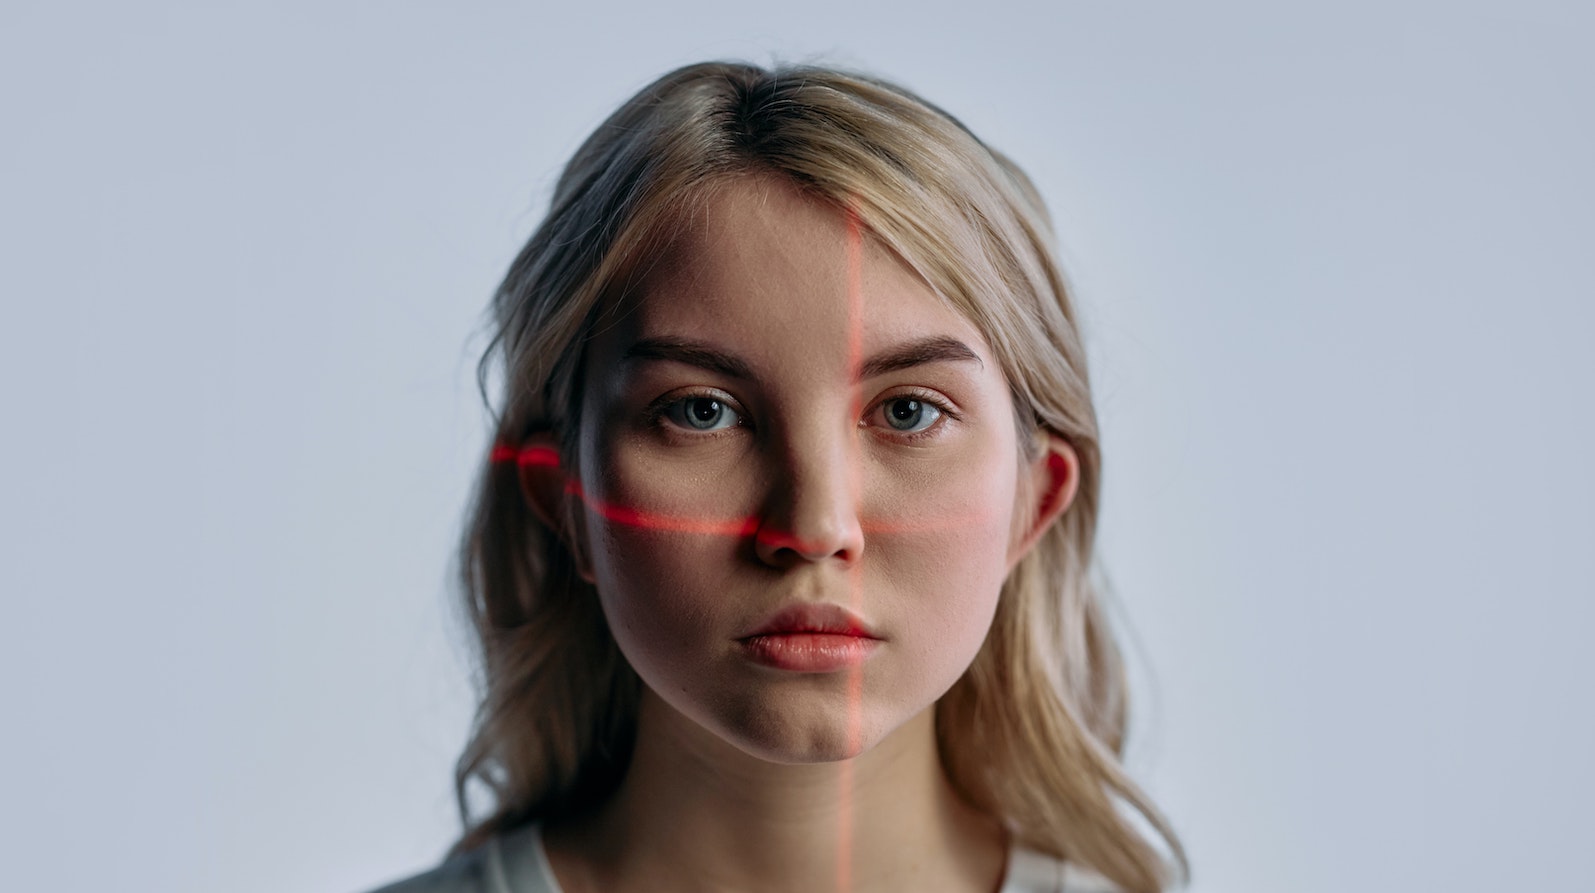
(855, 693)
(844, 843)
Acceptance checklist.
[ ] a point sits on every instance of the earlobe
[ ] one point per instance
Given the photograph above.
(1047, 487)
(548, 492)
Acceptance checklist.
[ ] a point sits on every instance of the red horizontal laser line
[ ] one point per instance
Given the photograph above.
(654, 521)
(546, 457)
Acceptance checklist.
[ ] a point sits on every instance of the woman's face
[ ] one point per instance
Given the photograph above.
(787, 415)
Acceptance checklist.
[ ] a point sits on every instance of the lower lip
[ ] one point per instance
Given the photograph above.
(809, 652)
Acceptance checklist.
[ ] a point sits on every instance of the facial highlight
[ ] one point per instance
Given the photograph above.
(801, 476)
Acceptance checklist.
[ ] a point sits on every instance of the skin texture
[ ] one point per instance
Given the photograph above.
(797, 488)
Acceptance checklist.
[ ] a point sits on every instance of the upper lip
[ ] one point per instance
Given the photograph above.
(813, 617)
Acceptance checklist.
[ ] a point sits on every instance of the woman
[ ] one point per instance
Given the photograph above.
(780, 567)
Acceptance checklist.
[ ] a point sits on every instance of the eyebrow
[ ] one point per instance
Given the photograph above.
(934, 349)
(676, 350)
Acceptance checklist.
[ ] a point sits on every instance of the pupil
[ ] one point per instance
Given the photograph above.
(704, 410)
(905, 410)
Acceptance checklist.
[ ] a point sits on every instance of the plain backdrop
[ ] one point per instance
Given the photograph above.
(1335, 268)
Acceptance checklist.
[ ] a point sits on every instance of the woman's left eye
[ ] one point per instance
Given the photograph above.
(909, 415)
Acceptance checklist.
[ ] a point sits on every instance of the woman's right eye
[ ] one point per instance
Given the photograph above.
(702, 413)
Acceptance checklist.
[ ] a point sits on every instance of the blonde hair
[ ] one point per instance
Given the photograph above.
(1033, 731)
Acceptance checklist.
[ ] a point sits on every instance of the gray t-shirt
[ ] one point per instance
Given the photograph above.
(516, 863)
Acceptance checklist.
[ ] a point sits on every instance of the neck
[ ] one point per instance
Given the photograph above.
(696, 813)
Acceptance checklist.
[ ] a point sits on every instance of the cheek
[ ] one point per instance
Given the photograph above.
(941, 557)
(947, 580)
(658, 594)
(664, 551)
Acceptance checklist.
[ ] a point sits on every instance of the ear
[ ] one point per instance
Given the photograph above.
(1046, 488)
(549, 493)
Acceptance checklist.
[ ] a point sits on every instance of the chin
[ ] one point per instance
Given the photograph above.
(814, 749)
(793, 733)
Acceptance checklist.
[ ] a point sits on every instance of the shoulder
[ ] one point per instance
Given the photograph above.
(465, 873)
(513, 861)
(1030, 871)
(1077, 879)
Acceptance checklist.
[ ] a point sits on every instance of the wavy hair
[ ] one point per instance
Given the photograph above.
(1033, 731)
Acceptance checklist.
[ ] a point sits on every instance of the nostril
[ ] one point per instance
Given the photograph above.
(781, 547)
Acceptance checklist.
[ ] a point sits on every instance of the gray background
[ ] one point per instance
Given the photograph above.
(1336, 274)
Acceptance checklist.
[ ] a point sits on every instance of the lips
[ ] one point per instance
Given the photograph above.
(812, 617)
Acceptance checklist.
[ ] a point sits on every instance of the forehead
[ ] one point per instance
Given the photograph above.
(783, 276)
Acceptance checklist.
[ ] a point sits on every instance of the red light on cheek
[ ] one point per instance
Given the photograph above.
(548, 457)
(631, 517)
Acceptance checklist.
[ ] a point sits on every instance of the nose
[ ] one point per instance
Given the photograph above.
(811, 513)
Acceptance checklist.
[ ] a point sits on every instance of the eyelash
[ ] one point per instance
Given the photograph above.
(657, 412)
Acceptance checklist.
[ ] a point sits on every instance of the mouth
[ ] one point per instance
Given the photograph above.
(814, 637)
(809, 652)
(816, 618)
